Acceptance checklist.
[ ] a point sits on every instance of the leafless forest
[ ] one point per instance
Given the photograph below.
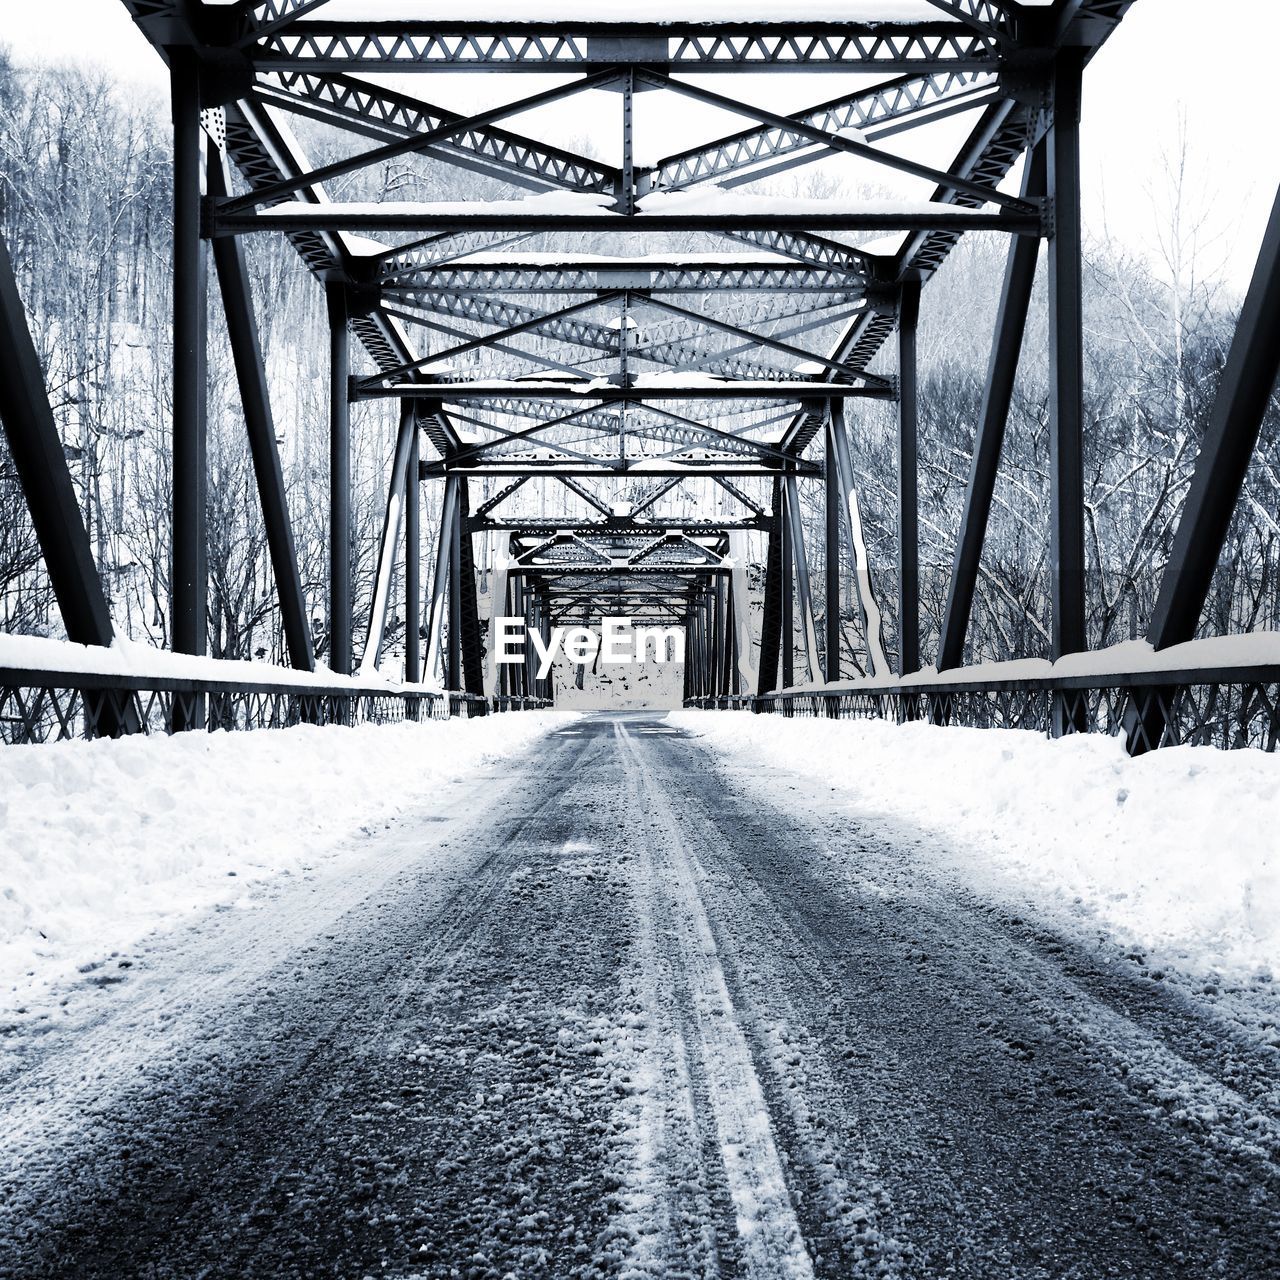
(84, 205)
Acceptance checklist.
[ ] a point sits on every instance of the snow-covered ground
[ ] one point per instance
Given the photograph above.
(103, 842)
(1177, 852)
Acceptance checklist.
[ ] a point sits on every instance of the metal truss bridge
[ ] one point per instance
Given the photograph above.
(587, 324)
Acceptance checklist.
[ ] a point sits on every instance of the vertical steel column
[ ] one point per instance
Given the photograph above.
(470, 636)
(627, 196)
(788, 596)
(413, 565)
(997, 396)
(255, 399)
(744, 664)
(440, 577)
(771, 621)
(715, 636)
(517, 672)
(704, 645)
(529, 610)
(505, 684)
(189, 585)
(1066, 369)
(728, 673)
(908, 482)
(453, 669)
(547, 683)
(831, 510)
(389, 546)
(691, 647)
(869, 609)
(496, 674)
(804, 593)
(340, 601)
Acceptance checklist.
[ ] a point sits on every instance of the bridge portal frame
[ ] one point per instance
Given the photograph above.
(236, 70)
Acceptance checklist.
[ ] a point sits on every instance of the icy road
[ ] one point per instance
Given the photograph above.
(608, 1012)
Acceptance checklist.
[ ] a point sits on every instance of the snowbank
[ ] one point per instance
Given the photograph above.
(1176, 851)
(102, 842)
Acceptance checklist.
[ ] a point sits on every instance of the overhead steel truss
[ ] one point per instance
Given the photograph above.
(517, 348)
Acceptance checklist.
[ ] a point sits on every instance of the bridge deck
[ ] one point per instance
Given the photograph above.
(616, 1012)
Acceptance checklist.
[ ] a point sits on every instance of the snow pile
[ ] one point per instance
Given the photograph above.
(1175, 851)
(102, 842)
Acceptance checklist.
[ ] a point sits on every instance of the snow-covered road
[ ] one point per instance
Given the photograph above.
(615, 1010)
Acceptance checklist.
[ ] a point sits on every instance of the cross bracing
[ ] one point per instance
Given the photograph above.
(558, 311)
(617, 323)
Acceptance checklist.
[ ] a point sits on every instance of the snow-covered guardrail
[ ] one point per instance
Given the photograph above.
(53, 690)
(1230, 706)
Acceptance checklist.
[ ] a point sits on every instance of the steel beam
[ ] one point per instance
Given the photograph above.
(754, 153)
(804, 593)
(495, 673)
(457, 589)
(255, 399)
(908, 482)
(603, 276)
(189, 584)
(389, 545)
(413, 564)
(439, 583)
(474, 344)
(771, 621)
(485, 309)
(340, 598)
(470, 637)
(744, 663)
(831, 512)
(997, 396)
(359, 106)
(1066, 374)
(296, 215)
(402, 146)
(839, 142)
(1230, 439)
(41, 465)
(722, 47)
(864, 587)
(787, 597)
(550, 389)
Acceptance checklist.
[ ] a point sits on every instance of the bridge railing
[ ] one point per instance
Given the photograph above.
(1223, 707)
(42, 706)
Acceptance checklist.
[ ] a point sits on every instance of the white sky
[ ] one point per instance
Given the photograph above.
(1161, 62)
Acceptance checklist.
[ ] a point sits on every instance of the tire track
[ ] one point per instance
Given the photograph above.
(769, 1240)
